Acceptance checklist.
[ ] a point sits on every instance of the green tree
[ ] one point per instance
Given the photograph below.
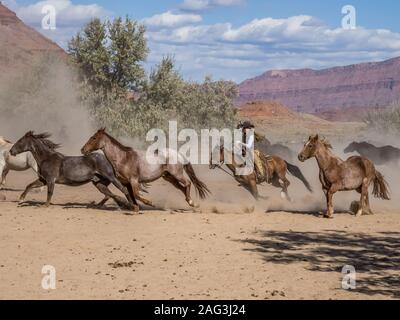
(110, 54)
(128, 49)
(89, 51)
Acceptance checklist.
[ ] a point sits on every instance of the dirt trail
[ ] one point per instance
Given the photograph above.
(227, 249)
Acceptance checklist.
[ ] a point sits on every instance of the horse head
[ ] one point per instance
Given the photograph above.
(95, 142)
(351, 147)
(22, 145)
(30, 140)
(313, 146)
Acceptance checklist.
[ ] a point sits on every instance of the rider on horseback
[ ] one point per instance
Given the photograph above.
(247, 145)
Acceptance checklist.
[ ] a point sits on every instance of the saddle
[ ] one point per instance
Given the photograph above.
(262, 167)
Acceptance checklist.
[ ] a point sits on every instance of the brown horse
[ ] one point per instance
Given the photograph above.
(275, 167)
(356, 173)
(133, 168)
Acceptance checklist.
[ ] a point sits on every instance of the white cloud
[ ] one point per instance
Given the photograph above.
(70, 17)
(199, 5)
(231, 52)
(68, 14)
(171, 20)
(248, 50)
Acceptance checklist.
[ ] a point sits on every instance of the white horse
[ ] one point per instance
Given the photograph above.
(21, 162)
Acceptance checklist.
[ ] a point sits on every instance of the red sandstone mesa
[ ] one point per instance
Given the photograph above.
(361, 85)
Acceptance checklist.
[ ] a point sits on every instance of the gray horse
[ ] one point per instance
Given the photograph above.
(56, 168)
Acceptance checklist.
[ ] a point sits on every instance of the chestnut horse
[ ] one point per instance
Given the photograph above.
(133, 168)
(274, 166)
(356, 173)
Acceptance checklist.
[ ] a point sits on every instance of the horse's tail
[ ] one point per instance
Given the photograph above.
(201, 187)
(295, 171)
(381, 187)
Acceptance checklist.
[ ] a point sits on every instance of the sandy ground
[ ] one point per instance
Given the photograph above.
(227, 249)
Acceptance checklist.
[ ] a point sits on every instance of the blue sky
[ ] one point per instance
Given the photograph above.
(238, 39)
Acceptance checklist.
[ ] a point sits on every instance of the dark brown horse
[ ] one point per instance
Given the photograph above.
(266, 147)
(133, 168)
(379, 155)
(274, 166)
(56, 168)
(356, 173)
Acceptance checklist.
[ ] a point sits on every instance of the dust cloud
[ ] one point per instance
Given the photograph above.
(44, 98)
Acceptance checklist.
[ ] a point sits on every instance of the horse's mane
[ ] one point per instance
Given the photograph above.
(326, 143)
(116, 142)
(43, 139)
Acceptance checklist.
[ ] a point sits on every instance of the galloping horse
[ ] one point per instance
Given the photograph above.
(133, 168)
(21, 162)
(55, 168)
(275, 167)
(356, 173)
(380, 156)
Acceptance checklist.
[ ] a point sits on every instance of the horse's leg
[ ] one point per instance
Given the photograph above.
(106, 197)
(254, 190)
(364, 201)
(103, 202)
(285, 184)
(322, 180)
(33, 165)
(132, 196)
(4, 171)
(329, 201)
(181, 183)
(125, 190)
(102, 186)
(368, 209)
(36, 184)
(50, 190)
(102, 181)
(136, 192)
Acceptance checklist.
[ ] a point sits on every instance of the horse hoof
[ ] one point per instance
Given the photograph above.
(136, 209)
(328, 216)
(359, 213)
